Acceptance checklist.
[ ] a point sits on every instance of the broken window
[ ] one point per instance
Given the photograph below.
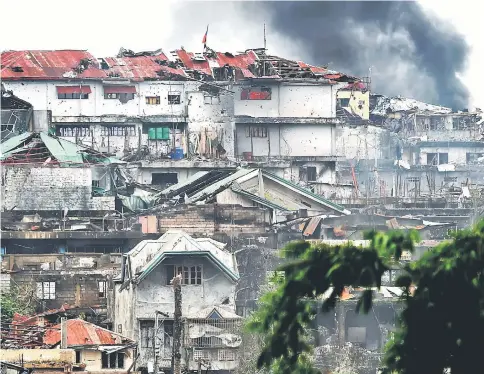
(46, 290)
(256, 93)
(473, 157)
(432, 159)
(164, 179)
(6, 127)
(343, 102)
(118, 130)
(460, 123)
(437, 123)
(256, 132)
(147, 333)
(312, 175)
(174, 98)
(72, 131)
(112, 360)
(191, 275)
(102, 288)
(153, 100)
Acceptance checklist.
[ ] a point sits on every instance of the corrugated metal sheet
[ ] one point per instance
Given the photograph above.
(119, 89)
(187, 60)
(14, 142)
(80, 332)
(62, 150)
(149, 224)
(140, 67)
(48, 65)
(312, 225)
(186, 182)
(241, 61)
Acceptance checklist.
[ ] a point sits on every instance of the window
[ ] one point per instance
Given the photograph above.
(147, 333)
(256, 132)
(101, 288)
(120, 96)
(432, 159)
(227, 354)
(6, 128)
(443, 158)
(311, 173)
(46, 290)
(118, 130)
(94, 183)
(211, 100)
(75, 95)
(120, 329)
(201, 354)
(164, 179)
(72, 131)
(174, 98)
(153, 100)
(112, 360)
(450, 179)
(191, 275)
(461, 123)
(256, 93)
(413, 179)
(473, 157)
(78, 357)
(357, 335)
(344, 103)
(437, 123)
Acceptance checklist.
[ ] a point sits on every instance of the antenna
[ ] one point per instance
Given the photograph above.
(265, 43)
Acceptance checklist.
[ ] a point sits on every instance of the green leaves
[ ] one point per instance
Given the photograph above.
(445, 308)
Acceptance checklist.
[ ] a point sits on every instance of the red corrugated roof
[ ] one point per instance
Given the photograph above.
(187, 60)
(355, 86)
(242, 61)
(140, 67)
(314, 69)
(48, 64)
(80, 332)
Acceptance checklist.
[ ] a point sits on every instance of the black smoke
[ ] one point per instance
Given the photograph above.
(410, 53)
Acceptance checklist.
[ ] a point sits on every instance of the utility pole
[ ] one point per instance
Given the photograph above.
(177, 325)
(63, 343)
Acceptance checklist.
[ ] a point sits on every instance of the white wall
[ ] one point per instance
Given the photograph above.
(288, 140)
(456, 155)
(289, 100)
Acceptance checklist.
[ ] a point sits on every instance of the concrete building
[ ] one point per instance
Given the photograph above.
(143, 302)
(249, 107)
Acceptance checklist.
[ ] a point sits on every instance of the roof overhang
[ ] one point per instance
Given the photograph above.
(207, 254)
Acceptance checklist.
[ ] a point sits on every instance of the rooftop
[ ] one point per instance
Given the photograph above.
(157, 65)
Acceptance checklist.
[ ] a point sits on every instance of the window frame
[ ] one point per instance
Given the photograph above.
(72, 131)
(112, 360)
(72, 96)
(174, 98)
(118, 130)
(45, 290)
(192, 275)
(256, 132)
(152, 100)
(102, 287)
(147, 340)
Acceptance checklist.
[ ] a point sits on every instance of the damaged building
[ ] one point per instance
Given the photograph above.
(143, 302)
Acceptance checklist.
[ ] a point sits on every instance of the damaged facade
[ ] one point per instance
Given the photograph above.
(105, 160)
(143, 301)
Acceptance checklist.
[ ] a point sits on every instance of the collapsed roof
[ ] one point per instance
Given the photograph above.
(384, 105)
(35, 148)
(156, 65)
(254, 186)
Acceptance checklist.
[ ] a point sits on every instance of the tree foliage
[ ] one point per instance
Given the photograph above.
(442, 322)
(17, 300)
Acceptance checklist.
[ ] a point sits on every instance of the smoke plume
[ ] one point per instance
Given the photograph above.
(409, 53)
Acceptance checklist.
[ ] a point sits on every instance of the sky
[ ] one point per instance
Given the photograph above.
(102, 27)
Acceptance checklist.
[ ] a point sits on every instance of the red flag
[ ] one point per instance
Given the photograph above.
(204, 41)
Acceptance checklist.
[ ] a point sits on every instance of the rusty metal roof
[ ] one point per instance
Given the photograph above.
(141, 67)
(187, 58)
(80, 332)
(49, 65)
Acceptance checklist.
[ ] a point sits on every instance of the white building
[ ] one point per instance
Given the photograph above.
(144, 301)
